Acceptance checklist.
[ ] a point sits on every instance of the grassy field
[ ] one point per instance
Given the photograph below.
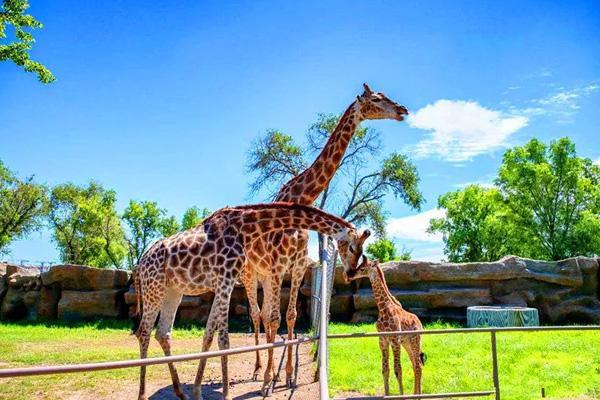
(27, 345)
(566, 364)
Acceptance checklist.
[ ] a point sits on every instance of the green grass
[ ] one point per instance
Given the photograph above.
(23, 344)
(566, 364)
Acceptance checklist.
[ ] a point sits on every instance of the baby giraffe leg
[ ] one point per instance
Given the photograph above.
(397, 365)
(413, 347)
(385, 364)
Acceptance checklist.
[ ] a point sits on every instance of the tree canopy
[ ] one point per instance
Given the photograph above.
(356, 192)
(23, 205)
(384, 250)
(193, 216)
(16, 47)
(86, 226)
(546, 205)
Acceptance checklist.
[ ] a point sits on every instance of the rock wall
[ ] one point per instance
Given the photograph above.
(564, 292)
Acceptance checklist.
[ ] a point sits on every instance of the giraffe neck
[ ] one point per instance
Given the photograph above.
(307, 186)
(381, 293)
(260, 219)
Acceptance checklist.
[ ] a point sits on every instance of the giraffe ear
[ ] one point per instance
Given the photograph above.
(368, 90)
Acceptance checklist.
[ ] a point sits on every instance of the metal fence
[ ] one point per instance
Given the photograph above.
(325, 287)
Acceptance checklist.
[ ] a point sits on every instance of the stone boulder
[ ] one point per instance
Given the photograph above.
(79, 277)
(428, 299)
(560, 273)
(3, 286)
(13, 305)
(79, 305)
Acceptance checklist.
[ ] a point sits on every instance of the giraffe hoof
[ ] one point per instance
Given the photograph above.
(256, 374)
(266, 391)
(276, 378)
(290, 383)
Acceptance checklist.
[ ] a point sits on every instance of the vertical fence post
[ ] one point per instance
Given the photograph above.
(495, 365)
(323, 379)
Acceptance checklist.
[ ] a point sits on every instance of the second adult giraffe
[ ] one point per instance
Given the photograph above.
(273, 255)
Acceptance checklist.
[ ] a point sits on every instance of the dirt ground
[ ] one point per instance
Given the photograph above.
(242, 387)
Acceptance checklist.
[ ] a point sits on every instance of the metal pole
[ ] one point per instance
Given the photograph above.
(64, 369)
(323, 379)
(495, 365)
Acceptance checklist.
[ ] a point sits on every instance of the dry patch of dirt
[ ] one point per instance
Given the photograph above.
(241, 367)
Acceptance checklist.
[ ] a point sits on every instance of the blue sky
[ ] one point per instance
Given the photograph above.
(161, 102)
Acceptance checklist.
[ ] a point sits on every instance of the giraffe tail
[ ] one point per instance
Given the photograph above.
(137, 317)
(422, 358)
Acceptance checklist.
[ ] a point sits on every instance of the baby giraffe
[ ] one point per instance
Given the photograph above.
(392, 317)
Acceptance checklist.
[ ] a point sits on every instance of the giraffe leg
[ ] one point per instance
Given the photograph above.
(275, 319)
(149, 314)
(163, 333)
(270, 336)
(397, 364)
(298, 269)
(413, 347)
(249, 280)
(217, 320)
(385, 364)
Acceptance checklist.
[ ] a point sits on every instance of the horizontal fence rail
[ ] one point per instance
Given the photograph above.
(422, 396)
(100, 366)
(464, 330)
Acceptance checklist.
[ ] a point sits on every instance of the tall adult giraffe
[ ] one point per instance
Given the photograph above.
(209, 258)
(268, 261)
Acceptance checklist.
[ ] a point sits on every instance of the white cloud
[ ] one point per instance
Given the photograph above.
(461, 129)
(565, 102)
(414, 227)
(562, 104)
(597, 161)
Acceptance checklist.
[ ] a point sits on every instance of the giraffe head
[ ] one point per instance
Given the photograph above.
(365, 269)
(374, 105)
(350, 249)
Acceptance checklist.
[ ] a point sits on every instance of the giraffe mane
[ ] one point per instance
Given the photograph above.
(384, 285)
(329, 140)
(283, 205)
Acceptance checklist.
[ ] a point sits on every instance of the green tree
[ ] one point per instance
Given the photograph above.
(546, 205)
(477, 225)
(356, 192)
(193, 216)
(145, 223)
(385, 250)
(554, 196)
(23, 204)
(12, 13)
(86, 226)
(169, 226)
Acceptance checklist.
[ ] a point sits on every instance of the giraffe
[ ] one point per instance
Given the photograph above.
(392, 318)
(210, 257)
(302, 189)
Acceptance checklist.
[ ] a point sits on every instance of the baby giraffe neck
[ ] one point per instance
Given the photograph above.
(381, 293)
